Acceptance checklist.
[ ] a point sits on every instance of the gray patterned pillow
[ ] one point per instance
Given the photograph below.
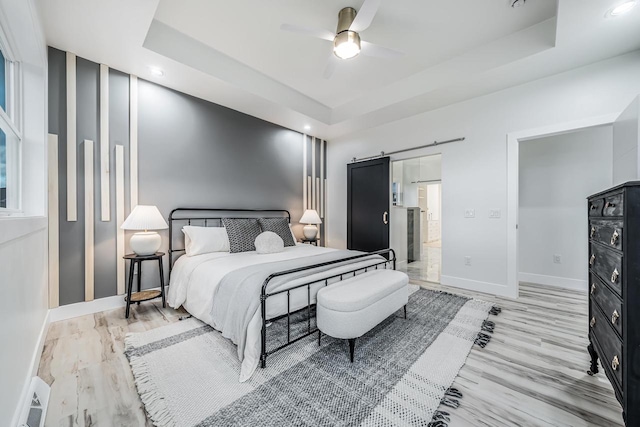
(242, 233)
(280, 226)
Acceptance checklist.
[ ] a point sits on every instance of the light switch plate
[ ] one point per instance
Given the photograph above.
(469, 213)
(494, 213)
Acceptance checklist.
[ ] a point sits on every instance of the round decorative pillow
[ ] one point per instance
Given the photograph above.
(269, 242)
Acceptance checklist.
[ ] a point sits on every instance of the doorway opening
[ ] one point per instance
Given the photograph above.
(416, 220)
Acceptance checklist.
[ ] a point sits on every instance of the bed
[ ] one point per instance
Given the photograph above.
(242, 294)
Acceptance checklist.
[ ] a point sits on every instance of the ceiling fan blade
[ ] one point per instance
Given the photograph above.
(370, 49)
(332, 63)
(308, 31)
(365, 15)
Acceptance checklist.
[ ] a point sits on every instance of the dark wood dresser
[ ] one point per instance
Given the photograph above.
(614, 292)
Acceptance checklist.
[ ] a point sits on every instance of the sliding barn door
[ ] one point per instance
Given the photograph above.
(368, 205)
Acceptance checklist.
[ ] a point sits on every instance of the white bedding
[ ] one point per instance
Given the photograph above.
(194, 279)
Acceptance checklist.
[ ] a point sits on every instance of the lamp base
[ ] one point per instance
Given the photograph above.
(310, 231)
(145, 242)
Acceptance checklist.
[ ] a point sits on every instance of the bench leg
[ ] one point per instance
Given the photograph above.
(405, 311)
(319, 336)
(352, 346)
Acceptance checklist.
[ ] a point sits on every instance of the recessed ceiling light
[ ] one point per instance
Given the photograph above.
(307, 127)
(622, 8)
(156, 71)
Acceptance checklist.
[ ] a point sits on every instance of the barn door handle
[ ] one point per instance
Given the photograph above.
(385, 217)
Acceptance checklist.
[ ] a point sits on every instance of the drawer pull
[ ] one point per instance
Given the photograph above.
(593, 288)
(593, 322)
(614, 275)
(592, 259)
(615, 363)
(609, 205)
(614, 317)
(593, 207)
(614, 237)
(593, 232)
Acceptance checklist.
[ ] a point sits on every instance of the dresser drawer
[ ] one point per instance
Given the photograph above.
(613, 205)
(607, 265)
(609, 343)
(608, 232)
(595, 207)
(608, 301)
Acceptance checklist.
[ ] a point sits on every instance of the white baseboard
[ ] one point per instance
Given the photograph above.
(35, 364)
(78, 309)
(476, 285)
(70, 311)
(559, 282)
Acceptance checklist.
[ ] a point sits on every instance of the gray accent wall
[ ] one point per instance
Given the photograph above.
(190, 153)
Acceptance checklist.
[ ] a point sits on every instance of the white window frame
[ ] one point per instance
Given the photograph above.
(11, 125)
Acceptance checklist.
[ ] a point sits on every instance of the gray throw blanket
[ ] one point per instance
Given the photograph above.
(237, 297)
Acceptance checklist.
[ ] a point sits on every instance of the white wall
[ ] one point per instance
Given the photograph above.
(626, 137)
(557, 174)
(474, 171)
(23, 240)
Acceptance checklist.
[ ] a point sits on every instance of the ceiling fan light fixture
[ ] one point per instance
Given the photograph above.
(346, 45)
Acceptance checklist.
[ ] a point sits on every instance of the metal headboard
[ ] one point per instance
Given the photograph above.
(210, 217)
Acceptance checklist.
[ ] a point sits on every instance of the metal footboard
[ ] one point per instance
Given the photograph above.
(264, 296)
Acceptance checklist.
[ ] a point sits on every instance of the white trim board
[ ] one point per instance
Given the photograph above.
(54, 230)
(72, 185)
(513, 166)
(555, 281)
(78, 309)
(105, 202)
(478, 286)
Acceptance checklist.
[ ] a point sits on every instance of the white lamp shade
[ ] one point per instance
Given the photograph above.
(310, 216)
(144, 218)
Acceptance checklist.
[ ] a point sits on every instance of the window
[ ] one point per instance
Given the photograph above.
(10, 137)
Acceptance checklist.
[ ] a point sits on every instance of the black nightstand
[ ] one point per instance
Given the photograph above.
(141, 295)
(310, 241)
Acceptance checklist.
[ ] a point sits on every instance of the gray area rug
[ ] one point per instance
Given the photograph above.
(187, 374)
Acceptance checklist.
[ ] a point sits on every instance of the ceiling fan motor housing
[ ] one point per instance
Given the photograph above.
(345, 19)
(344, 37)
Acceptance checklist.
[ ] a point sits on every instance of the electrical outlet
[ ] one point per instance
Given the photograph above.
(467, 260)
(469, 213)
(557, 259)
(494, 213)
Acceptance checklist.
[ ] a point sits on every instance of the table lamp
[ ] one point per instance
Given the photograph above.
(145, 218)
(311, 218)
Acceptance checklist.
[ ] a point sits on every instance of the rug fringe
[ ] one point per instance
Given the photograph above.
(154, 403)
(439, 419)
(495, 310)
(488, 326)
(482, 339)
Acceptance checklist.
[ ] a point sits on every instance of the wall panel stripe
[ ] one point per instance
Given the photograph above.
(89, 276)
(54, 237)
(72, 186)
(322, 144)
(104, 144)
(133, 140)
(304, 172)
(313, 173)
(120, 248)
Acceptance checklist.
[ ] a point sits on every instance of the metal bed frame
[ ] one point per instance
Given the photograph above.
(207, 215)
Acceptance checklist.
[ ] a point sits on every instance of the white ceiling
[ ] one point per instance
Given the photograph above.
(234, 53)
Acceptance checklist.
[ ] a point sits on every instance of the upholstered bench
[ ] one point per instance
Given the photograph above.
(354, 306)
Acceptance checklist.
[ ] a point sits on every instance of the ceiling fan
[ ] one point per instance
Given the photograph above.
(346, 40)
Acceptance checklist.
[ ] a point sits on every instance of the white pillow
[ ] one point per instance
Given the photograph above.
(204, 240)
(269, 242)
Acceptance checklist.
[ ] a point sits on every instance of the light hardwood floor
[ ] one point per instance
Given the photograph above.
(532, 373)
